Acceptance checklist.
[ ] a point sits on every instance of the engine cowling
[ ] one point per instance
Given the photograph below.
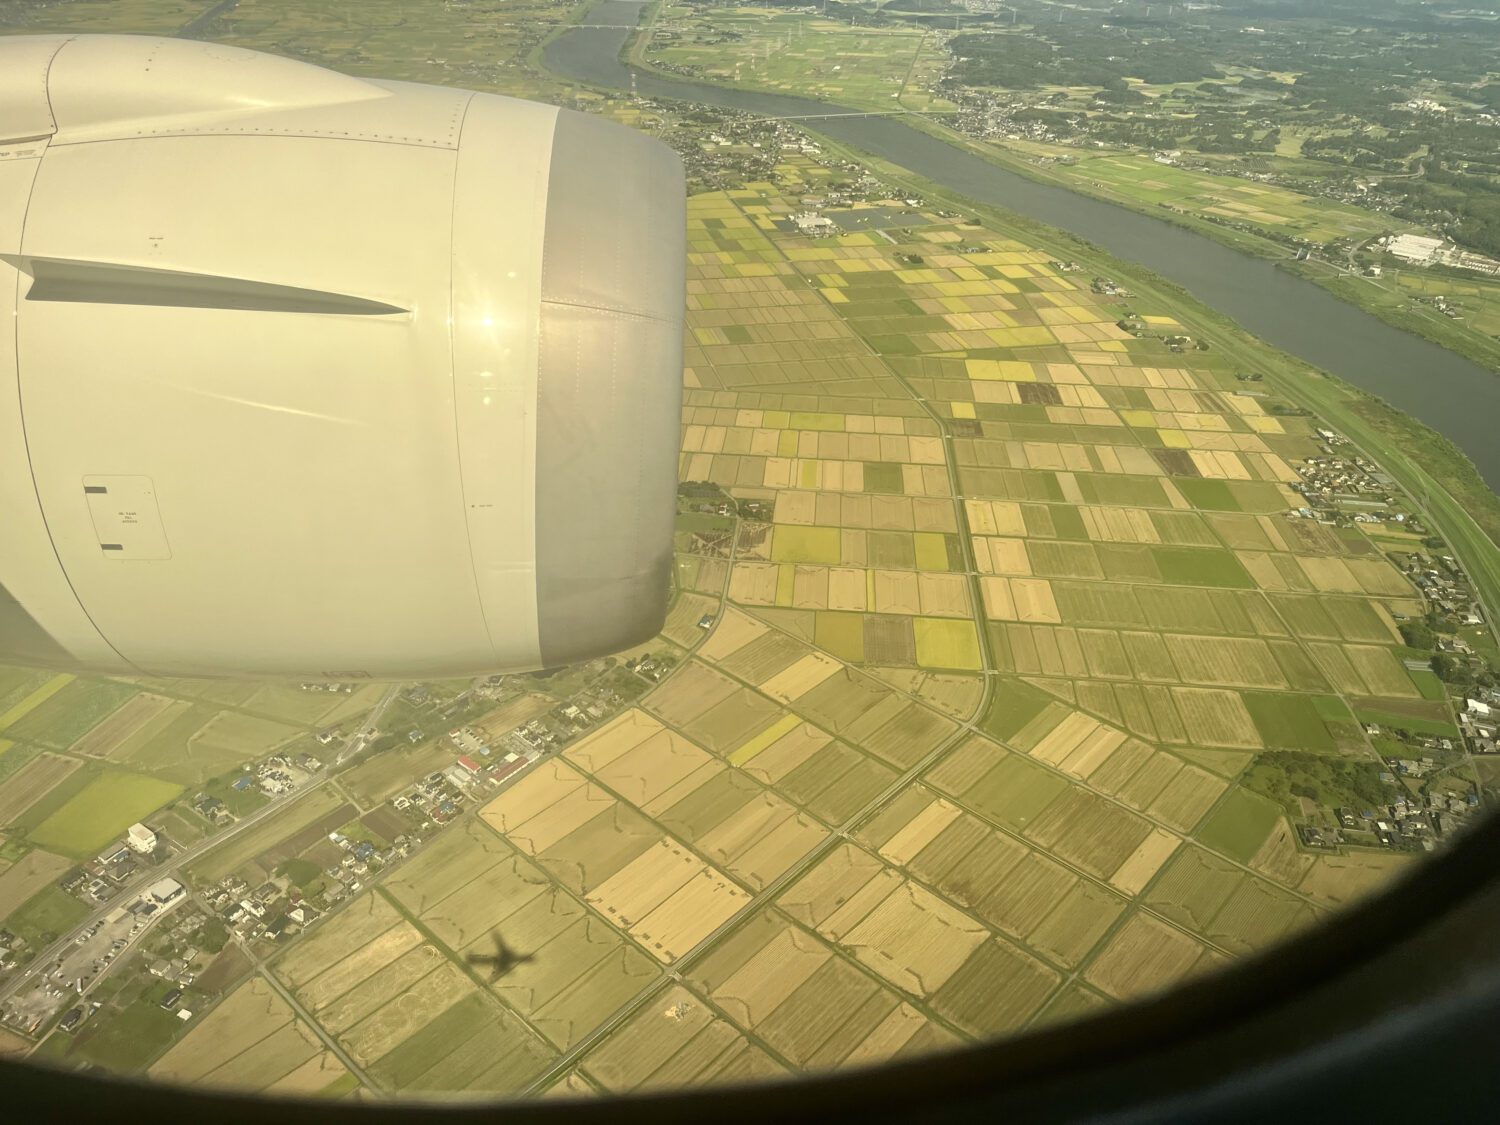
(323, 376)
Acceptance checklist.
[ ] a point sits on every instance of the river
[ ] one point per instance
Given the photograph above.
(1451, 394)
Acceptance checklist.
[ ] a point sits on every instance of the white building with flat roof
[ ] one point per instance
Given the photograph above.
(1415, 247)
(165, 891)
(141, 839)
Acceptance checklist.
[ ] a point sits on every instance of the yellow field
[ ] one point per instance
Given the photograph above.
(947, 644)
(668, 899)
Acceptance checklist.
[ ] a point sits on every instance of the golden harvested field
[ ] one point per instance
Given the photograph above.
(1340, 880)
(1074, 926)
(474, 910)
(1336, 665)
(848, 879)
(361, 922)
(406, 1014)
(640, 759)
(343, 1010)
(944, 595)
(800, 678)
(365, 962)
(751, 584)
(785, 754)
(682, 621)
(957, 696)
(550, 784)
(1381, 672)
(1194, 887)
(1279, 857)
(724, 726)
(599, 990)
(1224, 661)
(913, 836)
(250, 1041)
(1143, 957)
(733, 631)
(1187, 798)
(676, 1039)
(1136, 774)
(1078, 744)
(761, 840)
(1142, 865)
(314, 1076)
(668, 899)
(756, 971)
(1256, 915)
(283, 1053)
(998, 989)
(618, 736)
(461, 854)
(913, 939)
(839, 1012)
(1216, 718)
(1088, 830)
(692, 690)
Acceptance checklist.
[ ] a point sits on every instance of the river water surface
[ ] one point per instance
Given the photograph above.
(1454, 396)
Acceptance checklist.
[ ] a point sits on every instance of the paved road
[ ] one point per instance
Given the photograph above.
(183, 859)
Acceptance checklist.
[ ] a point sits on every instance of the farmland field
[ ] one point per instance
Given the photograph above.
(27, 876)
(32, 782)
(1240, 825)
(252, 1041)
(62, 718)
(107, 806)
(106, 736)
(50, 911)
(991, 605)
(243, 849)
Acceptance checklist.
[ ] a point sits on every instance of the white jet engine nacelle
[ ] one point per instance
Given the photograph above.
(313, 375)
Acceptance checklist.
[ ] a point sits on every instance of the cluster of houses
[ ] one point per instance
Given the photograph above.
(438, 796)
(990, 115)
(1108, 287)
(281, 774)
(1408, 823)
(1446, 587)
(728, 148)
(268, 912)
(1327, 478)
